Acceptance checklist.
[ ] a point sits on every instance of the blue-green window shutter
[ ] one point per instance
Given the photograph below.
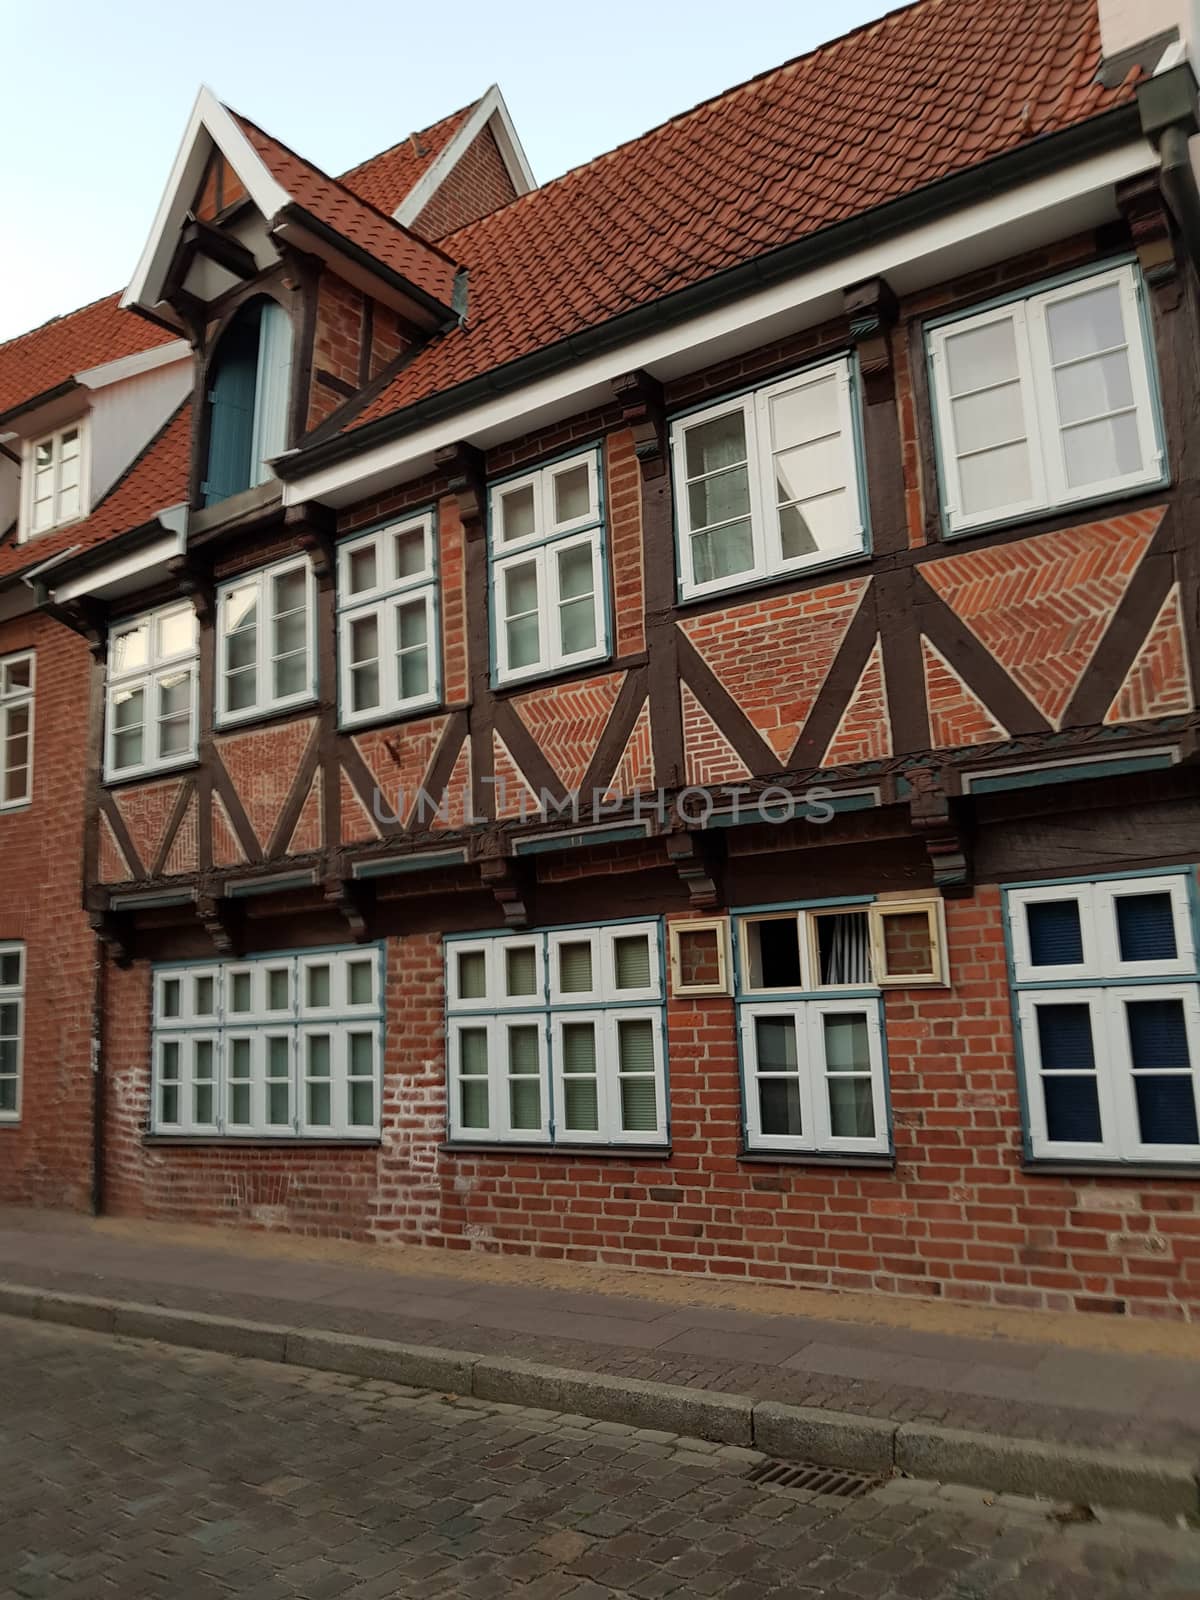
(231, 411)
(273, 389)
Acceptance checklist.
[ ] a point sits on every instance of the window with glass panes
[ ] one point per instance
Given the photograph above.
(265, 625)
(549, 607)
(1107, 999)
(151, 718)
(387, 621)
(278, 1046)
(768, 483)
(12, 1028)
(54, 467)
(809, 1024)
(1045, 400)
(558, 1037)
(16, 729)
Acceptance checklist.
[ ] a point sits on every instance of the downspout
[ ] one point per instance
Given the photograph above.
(1170, 117)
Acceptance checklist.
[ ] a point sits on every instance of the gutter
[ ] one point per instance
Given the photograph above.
(1122, 125)
(1170, 118)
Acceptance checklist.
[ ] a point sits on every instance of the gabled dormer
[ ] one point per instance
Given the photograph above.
(294, 292)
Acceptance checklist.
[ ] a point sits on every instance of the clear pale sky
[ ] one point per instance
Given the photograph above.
(96, 95)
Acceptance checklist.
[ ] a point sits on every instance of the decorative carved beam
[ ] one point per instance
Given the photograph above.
(350, 898)
(1140, 201)
(85, 617)
(872, 310)
(220, 920)
(463, 467)
(313, 527)
(505, 878)
(195, 585)
(934, 820)
(694, 857)
(114, 930)
(640, 398)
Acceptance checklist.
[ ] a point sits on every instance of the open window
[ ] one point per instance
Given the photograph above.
(249, 387)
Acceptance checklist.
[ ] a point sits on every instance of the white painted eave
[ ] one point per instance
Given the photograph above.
(125, 574)
(1030, 216)
(109, 372)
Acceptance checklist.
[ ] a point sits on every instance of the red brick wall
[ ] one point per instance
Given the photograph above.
(478, 185)
(956, 1220)
(45, 1159)
(337, 344)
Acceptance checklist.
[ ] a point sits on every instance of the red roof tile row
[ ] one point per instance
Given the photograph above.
(381, 236)
(35, 362)
(385, 180)
(898, 104)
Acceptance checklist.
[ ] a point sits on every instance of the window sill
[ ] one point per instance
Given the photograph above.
(150, 774)
(1063, 508)
(792, 577)
(621, 1152)
(9, 1122)
(268, 714)
(574, 669)
(396, 716)
(225, 1141)
(14, 806)
(816, 1158)
(1054, 1167)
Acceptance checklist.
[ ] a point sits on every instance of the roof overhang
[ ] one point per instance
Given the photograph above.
(133, 561)
(1043, 191)
(303, 231)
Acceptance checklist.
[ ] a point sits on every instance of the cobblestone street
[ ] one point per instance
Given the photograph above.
(140, 1471)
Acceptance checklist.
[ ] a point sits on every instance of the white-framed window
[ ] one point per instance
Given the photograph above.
(17, 674)
(12, 1028)
(557, 1038)
(276, 1046)
(388, 647)
(1107, 998)
(1044, 401)
(152, 710)
(884, 944)
(814, 1076)
(55, 480)
(810, 1031)
(769, 483)
(548, 578)
(266, 632)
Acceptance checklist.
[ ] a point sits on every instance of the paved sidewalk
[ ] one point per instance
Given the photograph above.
(1017, 1374)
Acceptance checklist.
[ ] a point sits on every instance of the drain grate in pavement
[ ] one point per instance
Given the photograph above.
(813, 1479)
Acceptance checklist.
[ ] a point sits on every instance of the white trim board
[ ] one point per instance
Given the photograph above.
(1033, 214)
(490, 107)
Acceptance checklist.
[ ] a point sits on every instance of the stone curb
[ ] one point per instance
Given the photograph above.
(1162, 1488)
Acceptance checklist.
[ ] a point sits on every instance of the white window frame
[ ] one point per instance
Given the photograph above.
(718, 927)
(1101, 983)
(381, 602)
(14, 994)
(541, 549)
(1047, 461)
(767, 541)
(16, 699)
(265, 704)
(148, 679)
(605, 1005)
(807, 1017)
(340, 1020)
(79, 426)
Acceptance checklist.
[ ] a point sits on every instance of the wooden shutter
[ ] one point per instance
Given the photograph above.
(272, 390)
(231, 410)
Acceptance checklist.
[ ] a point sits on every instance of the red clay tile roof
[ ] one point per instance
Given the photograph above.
(421, 264)
(158, 478)
(898, 104)
(387, 178)
(45, 357)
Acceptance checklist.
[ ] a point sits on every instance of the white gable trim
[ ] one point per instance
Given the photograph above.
(163, 355)
(210, 124)
(489, 107)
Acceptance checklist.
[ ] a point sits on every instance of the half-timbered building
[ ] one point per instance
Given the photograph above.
(649, 719)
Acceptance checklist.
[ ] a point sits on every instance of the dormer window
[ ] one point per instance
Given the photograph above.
(54, 476)
(249, 389)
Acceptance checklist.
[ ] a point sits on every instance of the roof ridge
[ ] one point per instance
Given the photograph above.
(416, 133)
(350, 194)
(59, 316)
(827, 46)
